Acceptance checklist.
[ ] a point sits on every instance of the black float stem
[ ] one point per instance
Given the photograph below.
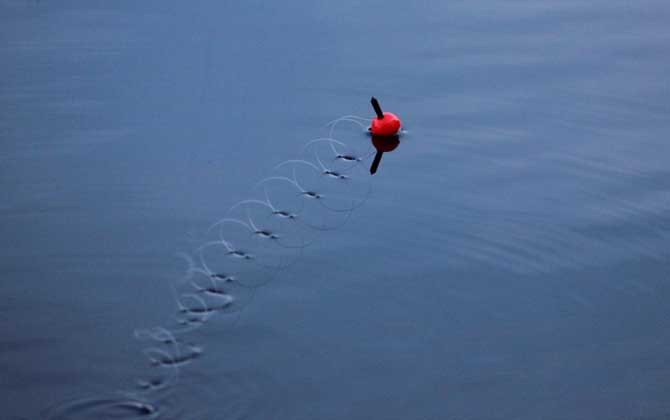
(378, 109)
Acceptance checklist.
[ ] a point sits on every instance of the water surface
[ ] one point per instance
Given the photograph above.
(510, 263)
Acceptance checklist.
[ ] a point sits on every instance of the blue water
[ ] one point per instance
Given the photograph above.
(511, 261)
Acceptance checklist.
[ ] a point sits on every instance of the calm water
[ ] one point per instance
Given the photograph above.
(511, 261)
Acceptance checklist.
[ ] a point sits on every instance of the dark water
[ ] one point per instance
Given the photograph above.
(510, 262)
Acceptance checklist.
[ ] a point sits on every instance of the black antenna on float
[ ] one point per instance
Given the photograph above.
(377, 108)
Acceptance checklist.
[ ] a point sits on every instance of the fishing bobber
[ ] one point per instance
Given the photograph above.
(384, 129)
(385, 123)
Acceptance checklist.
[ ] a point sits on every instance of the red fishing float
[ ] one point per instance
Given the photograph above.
(384, 129)
(385, 123)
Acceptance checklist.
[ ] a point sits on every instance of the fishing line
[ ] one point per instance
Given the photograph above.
(255, 239)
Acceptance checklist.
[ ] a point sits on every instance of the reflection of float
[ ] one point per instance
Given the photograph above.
(382, 144)
(384, 129)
